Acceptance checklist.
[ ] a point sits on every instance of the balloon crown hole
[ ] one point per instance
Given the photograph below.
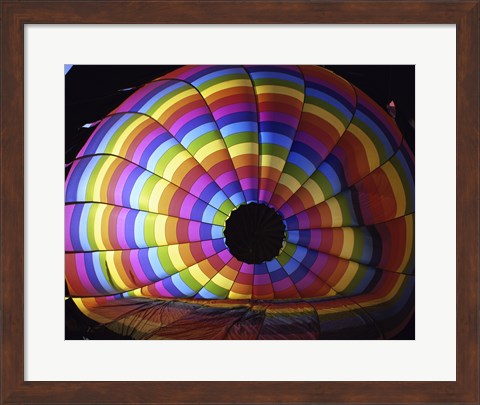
(254, 233)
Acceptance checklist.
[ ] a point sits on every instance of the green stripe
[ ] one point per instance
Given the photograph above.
(165, 261)
(222, 79)
(119, 132)
(203, 140)
(189, 280)
(216, 289)
(91, 225)
(165, 98)
(149, 229)
(241, 137)
(146, 192)
(93, 178)
(167, 157)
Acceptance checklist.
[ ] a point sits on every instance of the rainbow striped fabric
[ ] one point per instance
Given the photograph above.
(148, 195)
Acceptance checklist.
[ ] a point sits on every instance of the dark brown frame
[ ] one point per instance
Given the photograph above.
(465, 14)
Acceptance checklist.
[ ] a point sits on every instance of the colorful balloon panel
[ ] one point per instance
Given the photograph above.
(148, 197)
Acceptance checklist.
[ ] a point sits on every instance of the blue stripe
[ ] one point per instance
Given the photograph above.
(151, 98)
(157, 154)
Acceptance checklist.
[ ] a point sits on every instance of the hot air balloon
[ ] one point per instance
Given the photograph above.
(243, 202)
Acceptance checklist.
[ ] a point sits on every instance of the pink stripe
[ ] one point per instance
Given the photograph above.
(121, 215)
(247, 268)
(207, 247)
(261, 279)
(225, 255)
(264, 196)
(278, 117)
(82, 274)
(250, 183)
(68, 219)
(202, 182)
(226, 178)
(187, 205)
(121, 184)
(194, 231)
(162, 291)
(186, 118)
(138, 267)
(233, 108)
(145, 142)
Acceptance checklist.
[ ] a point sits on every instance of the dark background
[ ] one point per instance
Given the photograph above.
(92, 91)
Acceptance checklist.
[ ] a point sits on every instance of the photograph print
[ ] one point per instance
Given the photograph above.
(239, 202)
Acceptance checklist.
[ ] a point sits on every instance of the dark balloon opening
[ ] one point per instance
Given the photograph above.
(254, 233)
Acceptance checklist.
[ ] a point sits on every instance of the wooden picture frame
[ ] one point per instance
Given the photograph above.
(15, 14)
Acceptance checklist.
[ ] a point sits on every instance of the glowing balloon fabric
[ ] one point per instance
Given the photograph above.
(148, 197)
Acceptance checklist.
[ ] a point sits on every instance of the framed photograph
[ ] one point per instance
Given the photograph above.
(147, 152)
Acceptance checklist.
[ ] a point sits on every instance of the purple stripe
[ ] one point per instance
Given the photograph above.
(194, 231)
(226, 178)
(247, 268)
(82, 274)
(138, 268)
(233, 108)
(208, 248)
(68, 218)
(186, 118)
(145, 142)
(225, 256)
(121, 183)
(202, 182)
(277, 117)
(121, 217)
(187, 205)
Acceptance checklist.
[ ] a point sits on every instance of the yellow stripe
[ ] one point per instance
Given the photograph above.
(347, 277)
(93, 315)
(370, 149)
(160, 231)
(315, 191)
(116, 150)
(114, 271)
(290, 182)
(164, 106)
(226, 85)
(175, 257)
(348, 243)
(222, 281)
(156, 194)
(237, 296)
(174, 164)
(287, 91)
(197, 273)
(245, 148)
(397, 187)
(97, 226)
(272, 161)
(98, 186)
(326, 116)
(336, 211)
(208, 149)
